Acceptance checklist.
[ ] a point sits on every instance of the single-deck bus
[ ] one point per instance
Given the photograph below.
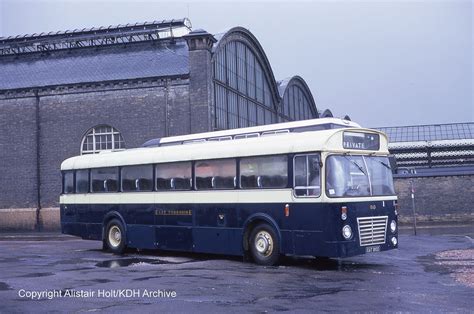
(325, 192)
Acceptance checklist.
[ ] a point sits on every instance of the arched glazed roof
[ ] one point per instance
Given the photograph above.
(285, 84)
(326, 114)
(244, 35)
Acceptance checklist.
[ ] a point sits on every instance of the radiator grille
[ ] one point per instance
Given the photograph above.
(372, 230)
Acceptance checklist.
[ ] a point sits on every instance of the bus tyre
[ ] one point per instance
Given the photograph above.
(115, 236)
(264, 245)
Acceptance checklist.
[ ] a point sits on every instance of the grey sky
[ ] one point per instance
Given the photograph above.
(381, 62)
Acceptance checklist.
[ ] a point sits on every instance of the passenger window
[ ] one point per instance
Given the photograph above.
(104, 179)
(68, 182)
(307, 175)
(249, 135)
(82, 181)
(264, 172)
(137, 178)
(216, 174)
(173, 176)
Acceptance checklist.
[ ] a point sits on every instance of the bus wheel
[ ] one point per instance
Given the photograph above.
(264, 245)
(115, 236)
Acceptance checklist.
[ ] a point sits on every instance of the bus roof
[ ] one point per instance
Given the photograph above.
(325, 140)
(324, 123)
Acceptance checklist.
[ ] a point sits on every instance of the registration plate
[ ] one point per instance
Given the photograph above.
(371, 249)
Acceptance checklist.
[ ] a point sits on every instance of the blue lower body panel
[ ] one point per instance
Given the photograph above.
(309, 229)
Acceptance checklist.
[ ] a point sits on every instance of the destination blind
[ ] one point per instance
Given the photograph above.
(362, 141)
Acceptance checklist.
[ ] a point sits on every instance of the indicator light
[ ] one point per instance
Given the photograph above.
(344, 212)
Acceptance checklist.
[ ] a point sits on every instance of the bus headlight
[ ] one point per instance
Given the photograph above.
(394, 241)
(347, 232)
(393, 226)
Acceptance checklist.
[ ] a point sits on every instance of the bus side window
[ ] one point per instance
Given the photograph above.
(137, 178)
(110, 185)
(173, 176)
(68, 182)
(264, 172)
(82, 181)
(300, 175)
(104, 179)
(215, 174)
(307, 175)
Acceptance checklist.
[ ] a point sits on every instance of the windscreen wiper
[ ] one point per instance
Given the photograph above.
(355, 163)
(386, 166)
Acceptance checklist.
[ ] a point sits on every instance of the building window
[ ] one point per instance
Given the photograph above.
(100, 138)
(296, 105)
(242, 92)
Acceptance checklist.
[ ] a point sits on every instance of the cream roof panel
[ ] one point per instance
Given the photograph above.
(327, 140)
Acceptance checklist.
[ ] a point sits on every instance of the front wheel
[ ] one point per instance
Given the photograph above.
(264, 245)
(115, 236)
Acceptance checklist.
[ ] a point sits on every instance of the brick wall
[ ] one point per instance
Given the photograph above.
(443, 199)
(140, 110)
(18, 153)
(140, 113)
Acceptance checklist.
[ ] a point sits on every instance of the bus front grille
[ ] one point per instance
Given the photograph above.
(372, 230)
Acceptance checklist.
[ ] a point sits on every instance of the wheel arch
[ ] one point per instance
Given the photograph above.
(253, 221)
(108, 217)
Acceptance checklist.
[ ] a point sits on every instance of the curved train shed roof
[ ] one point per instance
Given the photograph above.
(117, 53)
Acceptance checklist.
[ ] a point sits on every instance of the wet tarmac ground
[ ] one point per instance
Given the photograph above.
(50, 272)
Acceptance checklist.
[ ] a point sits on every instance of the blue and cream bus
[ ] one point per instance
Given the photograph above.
(318, 187)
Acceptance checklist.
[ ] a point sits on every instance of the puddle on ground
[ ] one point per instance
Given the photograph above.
(79, 269)
(74, 261)
(309, 294)
(4, 286)
(327, 264)
(9, 260)
(35, 275)
(131, 262)
(102, 280)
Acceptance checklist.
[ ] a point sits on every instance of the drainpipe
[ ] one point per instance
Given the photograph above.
(167, 110)
(38, 174)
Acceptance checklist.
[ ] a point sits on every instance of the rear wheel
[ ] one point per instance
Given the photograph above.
(115, 236)
(264, 245)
